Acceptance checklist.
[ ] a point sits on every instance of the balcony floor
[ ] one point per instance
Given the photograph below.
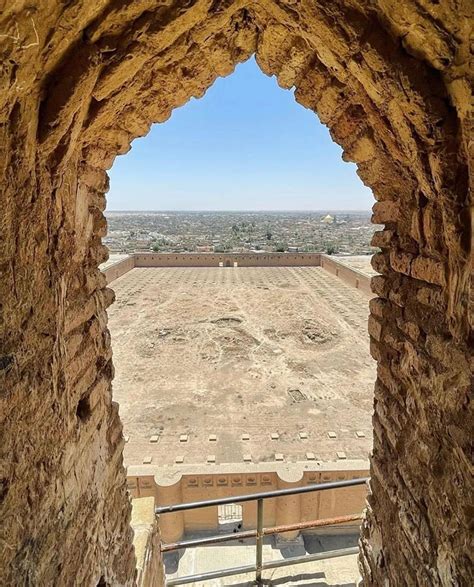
(336, 572)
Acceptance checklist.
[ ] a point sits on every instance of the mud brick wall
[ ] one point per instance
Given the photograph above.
(118, 269)
(79, 81)
(147, 543)
(351, 276)
(227, 259)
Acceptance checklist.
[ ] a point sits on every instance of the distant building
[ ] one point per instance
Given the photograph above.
(140, 244)
(328, 219)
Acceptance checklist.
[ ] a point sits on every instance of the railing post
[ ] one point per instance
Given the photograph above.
(259, 561)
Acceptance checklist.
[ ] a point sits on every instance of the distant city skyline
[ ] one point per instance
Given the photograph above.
(245, 146)
(243, 211)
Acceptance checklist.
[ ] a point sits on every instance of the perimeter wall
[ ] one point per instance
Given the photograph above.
(196, 486)
(119, 268)
(227, 259)
(350, 276)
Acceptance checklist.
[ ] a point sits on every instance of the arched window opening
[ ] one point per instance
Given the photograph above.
(207, 345)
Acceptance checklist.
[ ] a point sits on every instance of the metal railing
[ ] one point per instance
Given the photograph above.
(260, 532)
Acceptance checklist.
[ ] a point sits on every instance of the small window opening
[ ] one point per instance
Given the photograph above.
(230, 518)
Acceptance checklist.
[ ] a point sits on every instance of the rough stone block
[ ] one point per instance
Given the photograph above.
(380, 263)
(375, 328)
(385, 212)
(401, 262)
(427, 269)
(383, 238)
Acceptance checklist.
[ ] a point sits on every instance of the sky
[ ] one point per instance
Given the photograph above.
(245, 145)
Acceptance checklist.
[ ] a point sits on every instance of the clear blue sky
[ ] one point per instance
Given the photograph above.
(246, 145)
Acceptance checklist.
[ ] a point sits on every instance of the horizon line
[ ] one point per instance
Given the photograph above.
(248, 210)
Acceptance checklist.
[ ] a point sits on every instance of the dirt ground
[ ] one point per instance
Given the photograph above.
(241, 351)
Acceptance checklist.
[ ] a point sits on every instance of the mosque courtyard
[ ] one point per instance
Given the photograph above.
(248, 364)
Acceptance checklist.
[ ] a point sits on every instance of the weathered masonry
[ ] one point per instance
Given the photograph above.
(80, 80)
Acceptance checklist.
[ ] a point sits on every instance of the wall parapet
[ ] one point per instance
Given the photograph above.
(227, 259)
(119, 268)
(349, 275)
(169, 485)
(147, 543)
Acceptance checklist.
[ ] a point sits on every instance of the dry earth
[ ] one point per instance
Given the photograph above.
(235, 351)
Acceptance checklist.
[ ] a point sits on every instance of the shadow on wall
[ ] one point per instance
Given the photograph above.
(171, 561)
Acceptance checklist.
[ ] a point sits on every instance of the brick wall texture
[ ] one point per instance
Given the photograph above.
(79, 81)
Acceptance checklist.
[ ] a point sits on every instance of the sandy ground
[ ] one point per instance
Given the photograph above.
(236, 351)
(359, 262)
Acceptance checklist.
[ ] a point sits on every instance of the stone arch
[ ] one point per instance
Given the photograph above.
(81, 82)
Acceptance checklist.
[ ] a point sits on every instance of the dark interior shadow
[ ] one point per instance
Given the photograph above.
(171, 561)
(315, 543)
(292, 551)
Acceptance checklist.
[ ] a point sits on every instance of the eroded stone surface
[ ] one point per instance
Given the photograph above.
(79, 81)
